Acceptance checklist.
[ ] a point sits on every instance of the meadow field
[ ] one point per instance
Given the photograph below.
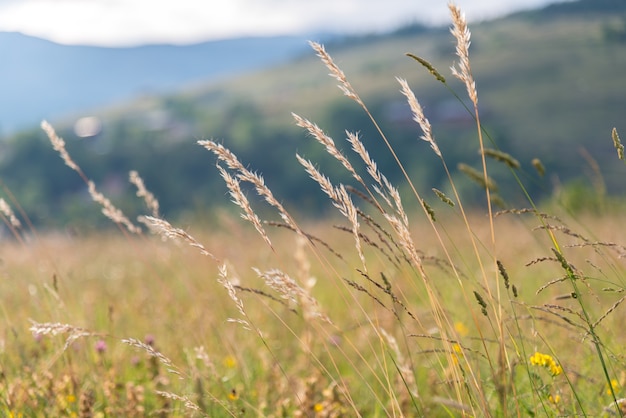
(405, 302)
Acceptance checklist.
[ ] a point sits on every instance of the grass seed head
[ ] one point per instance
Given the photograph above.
(431, 69)
(618, 144)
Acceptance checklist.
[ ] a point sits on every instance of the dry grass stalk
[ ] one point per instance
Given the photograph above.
(242, 201)
(287, 287)
(336, 73)
(619, 249)
(151, 202)
(225, 281)
(243, 174)
(154, 353)
(397, 200)
(189, 404)
(311, 238)
(324, 182)
(370, 164)
(8, 212)
(383, 235)
(340, 199)
(368, 241)
(349, 91)
(564, 230)
(404, 236)
(57, 328)
(110, 211)
(348, 209)
(608, 311)
(538, 214)
(360, 288)
(166, 230)
(58, 144)
(328, 142)
(418, 115)
(462, 34)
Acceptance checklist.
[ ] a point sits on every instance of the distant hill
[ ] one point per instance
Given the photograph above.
(41, 79)
(550, 83)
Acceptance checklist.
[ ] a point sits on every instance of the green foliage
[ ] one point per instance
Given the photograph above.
(550, 92)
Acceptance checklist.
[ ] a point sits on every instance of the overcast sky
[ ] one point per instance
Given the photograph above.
(133, 22)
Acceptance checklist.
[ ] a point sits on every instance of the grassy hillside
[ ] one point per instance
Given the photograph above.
(551, 87)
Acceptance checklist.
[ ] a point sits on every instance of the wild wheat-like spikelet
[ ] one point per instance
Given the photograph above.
(340, 199)
(462, 34)
(109, 210)
(418, 116)
(231, 160)
(189, 404)
(372, 169)
(58, 144)
(359, 148)
(397, 200)
(241, 200)
(324, 182)
(8, 212)
(154, 353)
(165, 229)
(225, 281)
(328, 142)
(349, 211)
(287, 287)
(442, 196)
(618, 144)
(336, 73)
(151, 202)
(57, 328)
(54, 328)
(431, 69)
(404, 237)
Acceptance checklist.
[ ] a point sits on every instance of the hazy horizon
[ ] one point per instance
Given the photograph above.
(140, 22)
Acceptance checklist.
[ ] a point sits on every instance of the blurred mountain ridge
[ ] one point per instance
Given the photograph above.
(42, 79)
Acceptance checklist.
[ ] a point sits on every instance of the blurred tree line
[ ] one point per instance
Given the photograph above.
(183, 177)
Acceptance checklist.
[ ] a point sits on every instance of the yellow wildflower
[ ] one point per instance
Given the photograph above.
(554, 399)
(461, 329)
(456, 352)
(233, 395)
(614, 386)
(546, 360)
(230, 362)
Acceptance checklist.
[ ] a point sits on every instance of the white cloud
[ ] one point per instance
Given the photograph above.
(124, 22)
